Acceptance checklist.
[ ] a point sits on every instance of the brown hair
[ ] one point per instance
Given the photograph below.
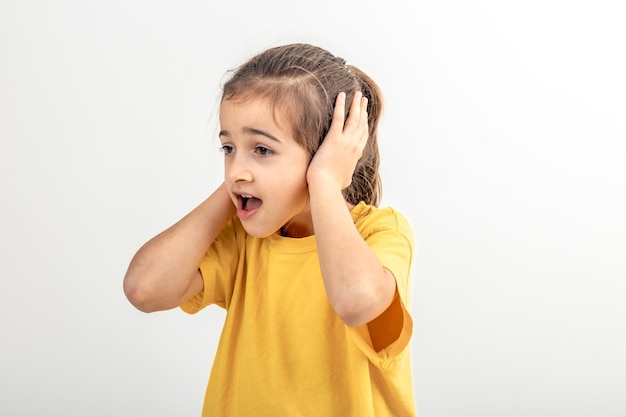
(303, 81)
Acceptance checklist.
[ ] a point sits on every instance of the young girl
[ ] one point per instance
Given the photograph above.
(313, 275)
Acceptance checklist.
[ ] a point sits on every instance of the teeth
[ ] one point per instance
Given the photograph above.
(245, 196)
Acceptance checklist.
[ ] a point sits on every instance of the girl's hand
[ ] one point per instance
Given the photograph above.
(342, 147)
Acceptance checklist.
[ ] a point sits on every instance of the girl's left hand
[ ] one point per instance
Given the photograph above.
(343, 146)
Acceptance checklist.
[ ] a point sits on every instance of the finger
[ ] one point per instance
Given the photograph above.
(363, 112)
(364, 122)
(355, 111)
(338, 113)
(364, 102)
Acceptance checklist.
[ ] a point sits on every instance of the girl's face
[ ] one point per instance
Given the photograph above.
(264, 169)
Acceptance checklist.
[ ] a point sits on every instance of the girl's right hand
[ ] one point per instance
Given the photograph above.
(164, 272)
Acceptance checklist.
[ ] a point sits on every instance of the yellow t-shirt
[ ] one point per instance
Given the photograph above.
(283, 350)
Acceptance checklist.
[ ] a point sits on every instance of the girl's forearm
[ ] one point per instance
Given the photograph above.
(358, 287)
(162, 272)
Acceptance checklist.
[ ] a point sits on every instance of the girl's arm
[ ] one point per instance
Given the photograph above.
(164, 273)
(358, 287)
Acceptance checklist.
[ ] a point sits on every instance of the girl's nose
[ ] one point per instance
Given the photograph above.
(238, 170)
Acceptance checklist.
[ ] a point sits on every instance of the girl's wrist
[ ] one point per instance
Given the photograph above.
(323, 184)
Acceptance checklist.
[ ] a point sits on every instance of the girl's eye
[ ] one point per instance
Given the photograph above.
(263, 151)
(227, 149)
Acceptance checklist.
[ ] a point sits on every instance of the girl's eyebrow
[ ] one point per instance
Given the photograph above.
(252, 131)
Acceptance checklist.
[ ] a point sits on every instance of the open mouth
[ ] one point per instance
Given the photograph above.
(248, 202)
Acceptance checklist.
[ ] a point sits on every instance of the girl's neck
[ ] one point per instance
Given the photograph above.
(294, 230)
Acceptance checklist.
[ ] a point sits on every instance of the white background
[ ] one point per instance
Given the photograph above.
(503, 142)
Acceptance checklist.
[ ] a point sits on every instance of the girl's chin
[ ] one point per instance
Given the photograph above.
(257, 232)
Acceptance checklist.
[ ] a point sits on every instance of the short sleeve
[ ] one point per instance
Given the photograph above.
(391, 237)
(218, 269)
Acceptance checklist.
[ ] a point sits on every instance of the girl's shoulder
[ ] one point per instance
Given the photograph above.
(370, 219)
